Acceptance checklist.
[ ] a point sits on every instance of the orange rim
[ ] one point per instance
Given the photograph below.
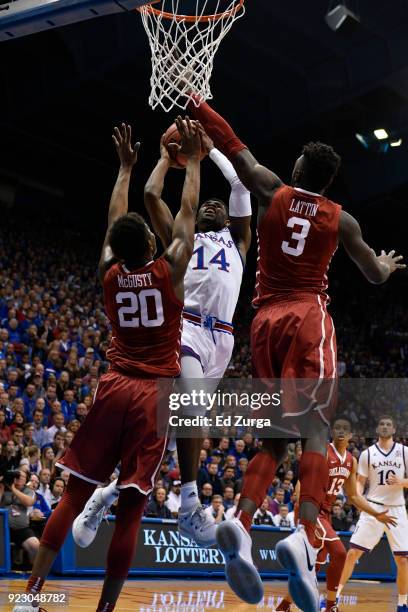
(192, 18)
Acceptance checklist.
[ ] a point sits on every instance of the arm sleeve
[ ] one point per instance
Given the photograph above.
(240, 197)
(362, 468)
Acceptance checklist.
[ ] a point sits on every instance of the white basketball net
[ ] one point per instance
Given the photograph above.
(183, 51)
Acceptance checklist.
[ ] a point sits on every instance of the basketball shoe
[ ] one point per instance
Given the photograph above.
(297, 555)
(86, 524)
(196, 525)
(242, 576)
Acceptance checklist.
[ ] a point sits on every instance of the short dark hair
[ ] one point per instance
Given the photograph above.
(321, 164)
(386, 416)
(128, 238)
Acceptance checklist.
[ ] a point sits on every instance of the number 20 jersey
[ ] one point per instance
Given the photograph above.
(297, 239)
(145, 316)
(377, 465)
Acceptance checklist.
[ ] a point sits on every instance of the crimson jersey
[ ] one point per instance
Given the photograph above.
(297, 239)
(145, 315)
(340, 469)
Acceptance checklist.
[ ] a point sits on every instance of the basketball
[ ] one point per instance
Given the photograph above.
(172, 136)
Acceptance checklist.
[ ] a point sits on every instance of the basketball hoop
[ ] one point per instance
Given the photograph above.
(183, 47)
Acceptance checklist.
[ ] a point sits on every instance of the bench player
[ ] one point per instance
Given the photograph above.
(342, 477)
(292, 337)
(383, 468)
(212, 284)
(144, 301)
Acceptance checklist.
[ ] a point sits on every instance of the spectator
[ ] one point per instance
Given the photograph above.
(228, 479)
(10, 457)
(230, 513)
(31, 458)
(44, 488)
(228, 498)
(18, 422)
(339, 521)
(156, 507)
(239, 450)
(211, 477)
(216, 510)
(263, 516)
(283, 520)
(17, 499)
(277, 501)
(40, 436)
(47, 458)
(57, 490)
(174, 498)
(5, 432)
(206, 494)
(58, 426)
(223, 447)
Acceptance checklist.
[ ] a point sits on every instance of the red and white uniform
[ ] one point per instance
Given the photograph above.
(145, 315)
(293, 335)
(340, 469)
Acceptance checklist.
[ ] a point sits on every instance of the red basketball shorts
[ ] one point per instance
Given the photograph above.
(120, 427)
(295, 341)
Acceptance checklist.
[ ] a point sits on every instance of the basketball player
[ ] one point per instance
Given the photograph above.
(292, 337)
(144, 301)
(212, 284)
(383, 468)
(342, 477)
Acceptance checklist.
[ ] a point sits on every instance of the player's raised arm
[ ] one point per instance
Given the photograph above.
(259, 180)
(239, 208)
(376, 268)
(181, 248)
(118, 206)
(160, 214)
(356, 499)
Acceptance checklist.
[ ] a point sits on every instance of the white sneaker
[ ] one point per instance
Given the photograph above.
(86, 524)
(297, 555)
(196, 525)
(242, 576)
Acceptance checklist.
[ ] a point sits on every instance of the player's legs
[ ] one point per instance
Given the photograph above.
(128, 518)
(402, 578)
(353, 555)
(56, 529)
(338, 555)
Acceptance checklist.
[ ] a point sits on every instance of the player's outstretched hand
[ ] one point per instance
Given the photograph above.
(122, 139)
(206, 143)
(164, 152)
(190, 137)
(387, 520)
(392, 260)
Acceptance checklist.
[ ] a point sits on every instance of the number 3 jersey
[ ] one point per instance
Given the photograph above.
(297, 238)
(145, 315)
(213, 278)
(340, 468)
(377, 465)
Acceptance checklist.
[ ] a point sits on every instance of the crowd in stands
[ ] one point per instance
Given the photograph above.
(53, 341)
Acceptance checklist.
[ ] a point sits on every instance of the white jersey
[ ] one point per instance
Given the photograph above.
(377, 465)
(214, 274)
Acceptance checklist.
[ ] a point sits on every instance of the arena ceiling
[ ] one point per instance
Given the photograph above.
(281, 77)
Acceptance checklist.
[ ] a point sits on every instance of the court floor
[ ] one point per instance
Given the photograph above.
(192, 596)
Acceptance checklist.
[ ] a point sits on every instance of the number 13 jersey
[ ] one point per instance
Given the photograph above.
(297, 239)
(377, 465)
(145, 315)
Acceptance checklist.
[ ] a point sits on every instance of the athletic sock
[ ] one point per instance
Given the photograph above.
(402, 600)
(34, 584)
(284, 606)
(189, 496)
(339, 590)
(110, 493)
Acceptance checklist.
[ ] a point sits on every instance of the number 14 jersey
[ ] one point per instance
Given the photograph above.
(297, 238)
